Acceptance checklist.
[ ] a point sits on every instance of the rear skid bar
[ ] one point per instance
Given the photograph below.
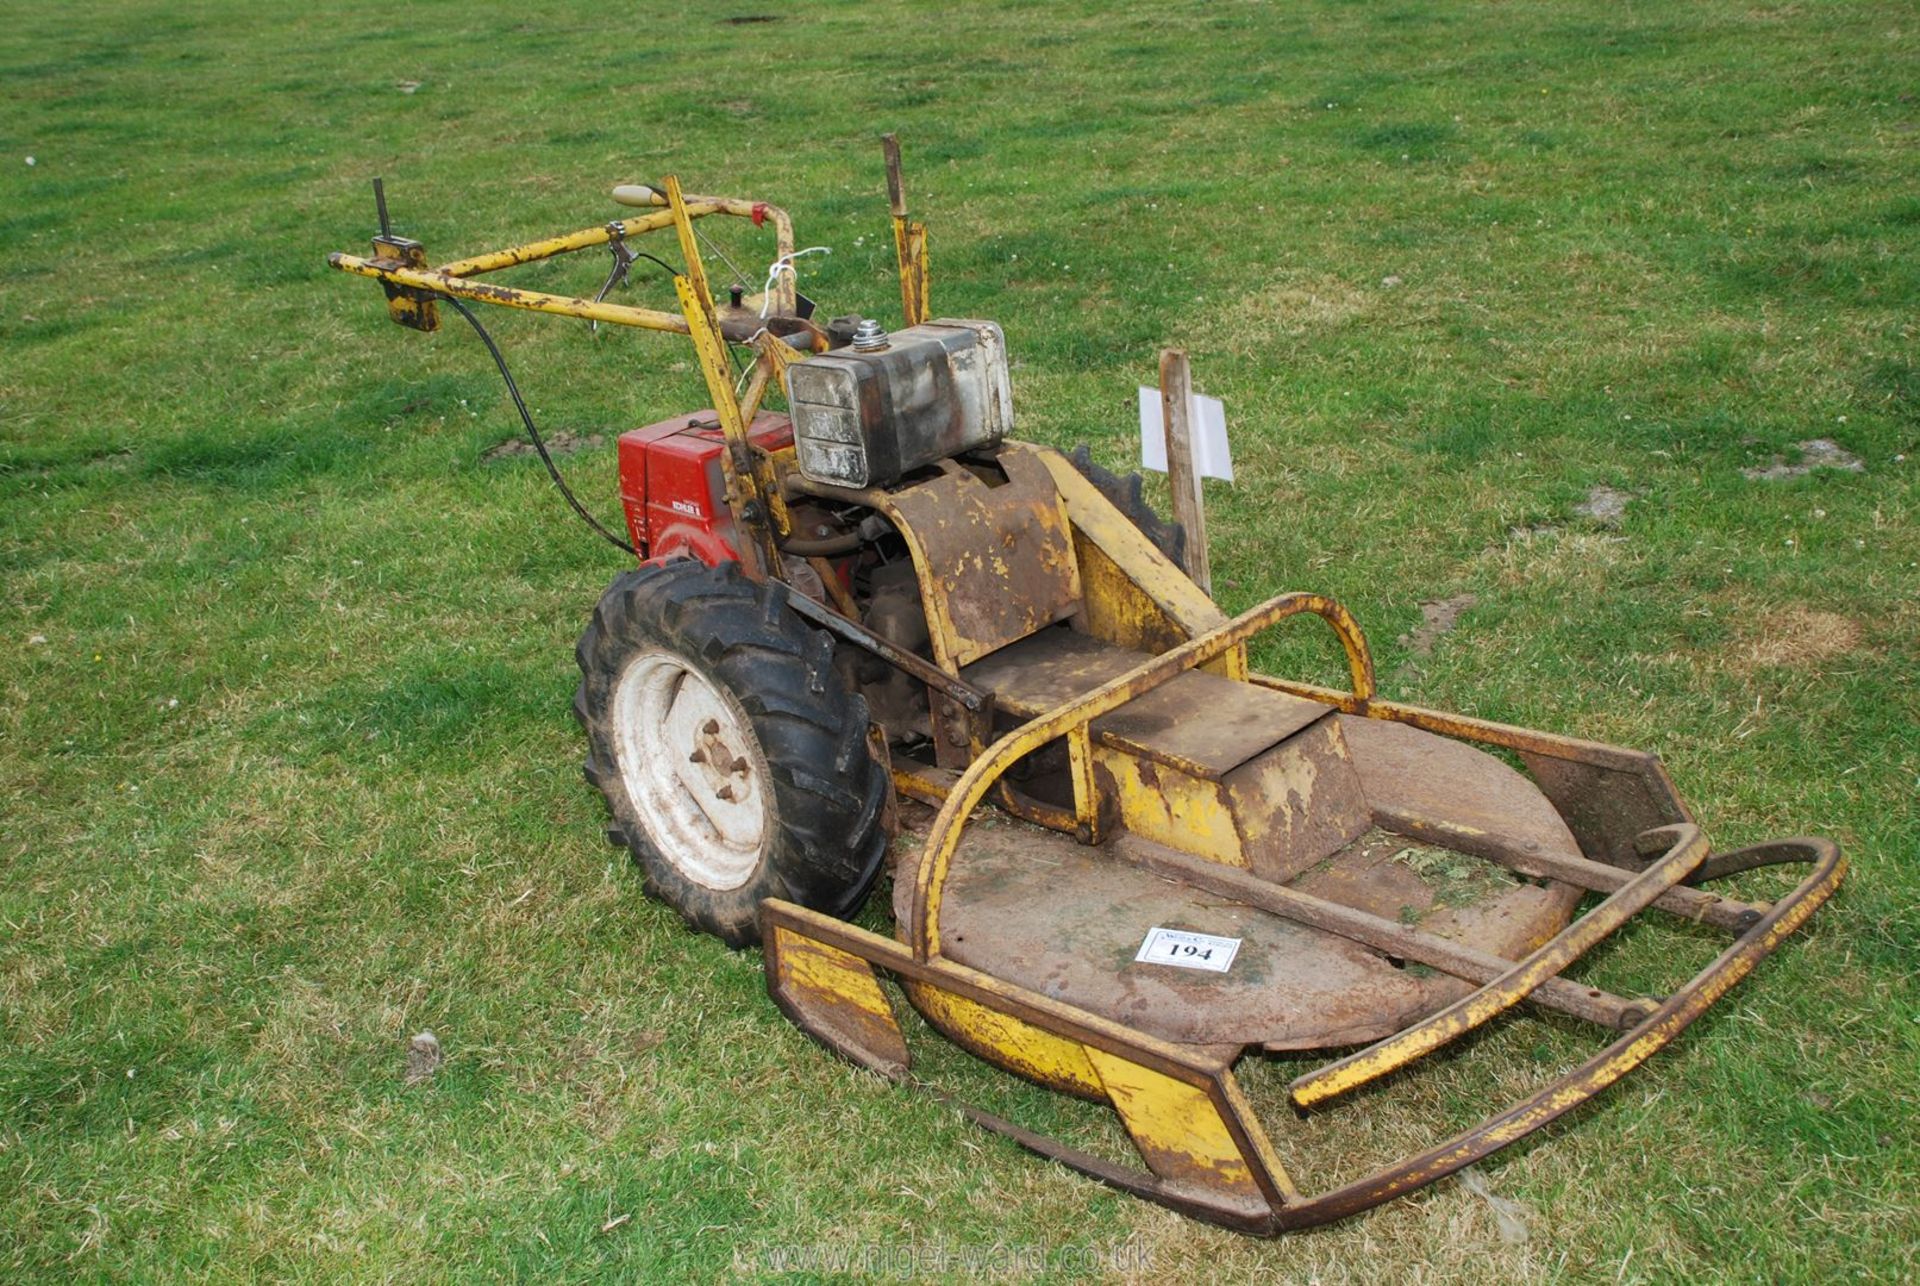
(1205, 1153)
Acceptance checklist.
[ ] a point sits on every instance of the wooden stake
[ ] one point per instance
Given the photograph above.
(1189, 505)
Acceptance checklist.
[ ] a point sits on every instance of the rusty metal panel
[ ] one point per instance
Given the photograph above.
(996, 562)
(1413, 782)
(1297, 803)
(1115, 606)
(1176, 1127)
(834, 995)
(1416, 943)
(1496, 918)
(1205, 725)
(1283, 811)
(1020, 1047)
(1543, 752)
(1145, 599)
(1049, 669)
(1606, 808)
(1198, 722)
(1166, 805)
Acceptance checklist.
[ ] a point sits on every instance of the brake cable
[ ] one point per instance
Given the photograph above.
(624, 257)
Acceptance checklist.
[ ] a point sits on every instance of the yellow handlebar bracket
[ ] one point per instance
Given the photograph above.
(755, 502)
(909, 239)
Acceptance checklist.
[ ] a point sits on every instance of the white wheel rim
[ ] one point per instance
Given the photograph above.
(693, 770)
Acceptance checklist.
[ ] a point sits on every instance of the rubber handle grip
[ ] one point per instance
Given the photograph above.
(638, 194)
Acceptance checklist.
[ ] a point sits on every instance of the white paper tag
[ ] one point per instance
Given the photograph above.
(1208, 415)
(1187, 950)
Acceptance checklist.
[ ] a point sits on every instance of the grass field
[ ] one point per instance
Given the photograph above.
(287, 768)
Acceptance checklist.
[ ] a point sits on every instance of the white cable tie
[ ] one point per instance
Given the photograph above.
(785, 264)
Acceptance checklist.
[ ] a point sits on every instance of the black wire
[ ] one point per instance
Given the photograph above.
(641, 254)
(533, 433)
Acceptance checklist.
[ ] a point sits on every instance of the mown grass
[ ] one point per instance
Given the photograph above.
(286, 762)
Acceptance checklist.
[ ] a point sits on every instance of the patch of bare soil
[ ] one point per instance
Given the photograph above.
(561, 443)
(423, 1058)
(1604, 505)
(1438, 616)
(1815, 453)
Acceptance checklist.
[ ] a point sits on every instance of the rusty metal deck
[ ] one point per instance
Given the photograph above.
(1066, 920)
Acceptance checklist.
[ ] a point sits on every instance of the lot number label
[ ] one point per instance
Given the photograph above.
(1186, 950)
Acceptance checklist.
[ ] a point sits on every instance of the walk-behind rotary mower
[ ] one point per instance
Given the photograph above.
(1148, 862)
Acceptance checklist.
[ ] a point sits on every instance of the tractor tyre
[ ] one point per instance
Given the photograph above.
(1123, 492)
(733, 758)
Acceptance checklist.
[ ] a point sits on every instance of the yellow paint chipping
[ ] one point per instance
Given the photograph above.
(1040, 1056)
(1176, 1126)
(838, 995)
(1170, 807)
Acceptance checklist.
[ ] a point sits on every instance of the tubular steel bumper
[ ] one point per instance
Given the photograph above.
(820, 973)
(1205, 1152)
(1610, 1064)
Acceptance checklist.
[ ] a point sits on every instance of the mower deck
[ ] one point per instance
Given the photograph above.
(1018, 942)
(1039, 910)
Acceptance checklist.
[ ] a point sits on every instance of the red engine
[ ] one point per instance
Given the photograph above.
(673, 489)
